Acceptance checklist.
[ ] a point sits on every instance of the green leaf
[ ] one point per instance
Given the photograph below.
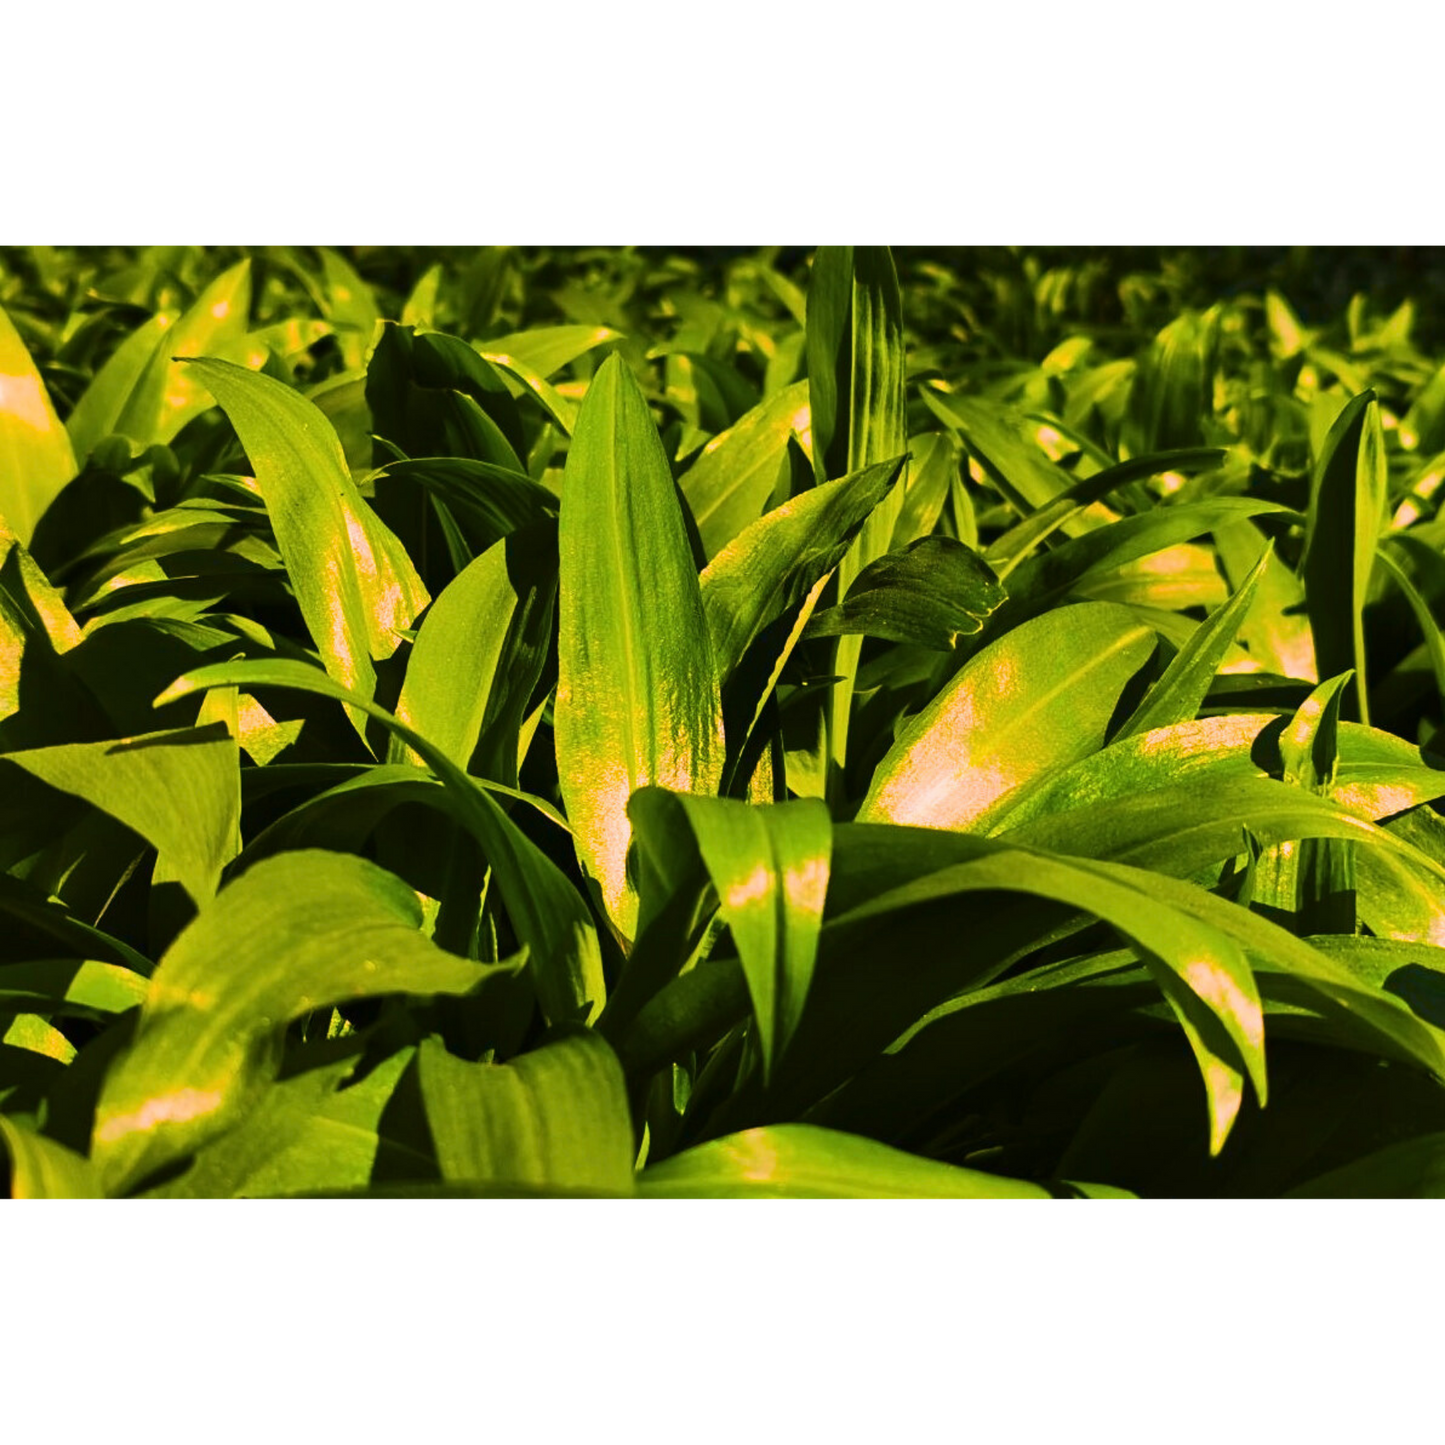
(769, 865)
(637, 695)
(554, 1118)
(855, 350)
(1173, 392)
(98, 412)
(1180, 692)
(1039, 698)
(926, 595)
(36, 460)
(181, 791)
(1345, 519)
(480, 652)
(802, 1161)
(43, 1169)
(310, 1132)
(69, 985)
(776, 562)
(545, 350)
(1276, 631)
(292, 934)
(933, 471)
(1051, 576)
(356, 587)
(737, 472)
(1015, 544)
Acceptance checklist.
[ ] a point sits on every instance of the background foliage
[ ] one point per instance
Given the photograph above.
(773, 723)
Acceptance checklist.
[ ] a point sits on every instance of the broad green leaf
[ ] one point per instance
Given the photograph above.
(1345, 519)
(737, 472)
(42, 1169)
(294, 933)
(1276, 632)
(355, 585)
(419, 309)
(180, 791)
(479, 653)
(549, 916)
(1180, 692)
(69, 985)
(350, 306)
(776, 562)
(926, 594)
(556, 1117)
(802, 1161)
(487, 501)
(1378, 774)
(769, 865)
(637, 695)
(1039, 698)
(313, 1131)
(36, 460)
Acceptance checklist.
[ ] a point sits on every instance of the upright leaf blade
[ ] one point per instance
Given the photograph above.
(637, 694)
(1346, 515)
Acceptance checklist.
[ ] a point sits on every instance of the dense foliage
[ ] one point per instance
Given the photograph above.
(703, 723)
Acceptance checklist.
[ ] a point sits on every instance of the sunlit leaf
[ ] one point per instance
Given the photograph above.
(736, 473)
(550, 917)
(36, 460)
(802, 1161)
(292, 934)
(637, 696)
(43, 1169)
(1038, 698)
(180, 791)
(356, 587)
(556, 1117)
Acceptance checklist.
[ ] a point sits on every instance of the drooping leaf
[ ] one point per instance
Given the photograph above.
(1343, 524)
(925, 595)
(180, 791)
(36, 460)
(637, 695)
(355, 585)
(553, 1118)
(292, 934)
(1038, 698)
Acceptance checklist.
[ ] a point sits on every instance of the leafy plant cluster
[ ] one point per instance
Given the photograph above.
(775, 724)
